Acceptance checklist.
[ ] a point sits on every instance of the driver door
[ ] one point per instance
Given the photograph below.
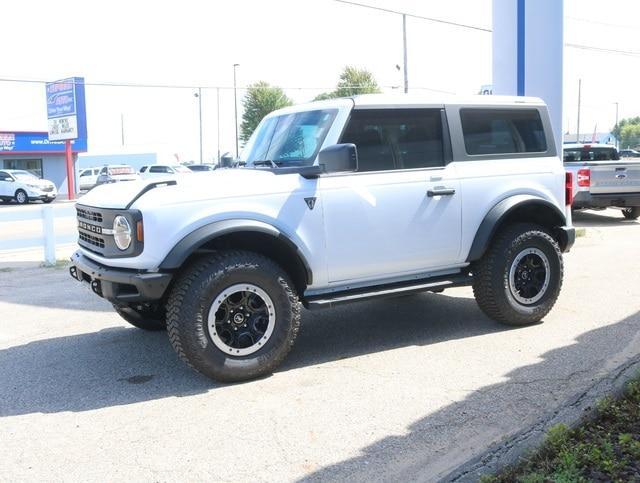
(6, 184)
(400, 213)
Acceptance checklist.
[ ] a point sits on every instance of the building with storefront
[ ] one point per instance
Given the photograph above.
(32, 151)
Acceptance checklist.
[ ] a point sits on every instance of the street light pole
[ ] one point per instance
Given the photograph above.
(404, 50)
(235, 105)
(218, 120)
(618, 135)
(199, 96)
(578, 124)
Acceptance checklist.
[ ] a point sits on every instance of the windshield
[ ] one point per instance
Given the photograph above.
(290, 139)
(588, 153)
(181, 169)
(24, 176)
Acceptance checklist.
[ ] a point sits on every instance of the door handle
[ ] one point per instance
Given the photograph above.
(440, 191)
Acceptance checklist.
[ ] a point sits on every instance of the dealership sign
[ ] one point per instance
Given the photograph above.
(66, 111)
(36, 143)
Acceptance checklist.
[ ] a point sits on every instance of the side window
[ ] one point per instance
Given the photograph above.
(86, 172)
(104, 170)
(158, 169)
(502, 131)
(396, 138)
(4, 176)
(143, 169)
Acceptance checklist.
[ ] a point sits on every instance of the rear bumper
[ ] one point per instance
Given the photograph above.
(567, 235)
(119, 286)
(584, 199)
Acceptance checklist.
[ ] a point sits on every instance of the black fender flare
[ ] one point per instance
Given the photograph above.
(200, 236)
(496, 215)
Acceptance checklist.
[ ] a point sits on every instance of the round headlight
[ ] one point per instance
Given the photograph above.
(121, 232)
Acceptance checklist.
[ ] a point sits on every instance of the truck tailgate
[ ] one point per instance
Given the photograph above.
(614, 177)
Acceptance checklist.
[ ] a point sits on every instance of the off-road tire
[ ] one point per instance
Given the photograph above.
(631, 213)
(149, 318)
(192, 296)
(21, 197)
(491, 286)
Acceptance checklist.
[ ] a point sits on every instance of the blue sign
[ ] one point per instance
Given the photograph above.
(36, 143)
(66, 111)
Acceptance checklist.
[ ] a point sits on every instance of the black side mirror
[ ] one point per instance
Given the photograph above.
(339, 158)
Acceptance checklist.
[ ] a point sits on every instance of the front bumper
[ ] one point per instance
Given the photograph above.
(584, 199)
(119, 286)
(41, 195)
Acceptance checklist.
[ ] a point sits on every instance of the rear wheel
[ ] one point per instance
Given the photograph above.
(233, 316)
(21, 197)
(518, 280)
(631, 213)
(144, 317)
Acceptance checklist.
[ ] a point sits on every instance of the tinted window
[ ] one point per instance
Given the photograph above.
(143, 169)
(502, 131)
(588, 153)
(104, 171)
(4, 176)
(396, 138)
(158, 169)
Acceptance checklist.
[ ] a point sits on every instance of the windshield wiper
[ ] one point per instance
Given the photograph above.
(265, 162)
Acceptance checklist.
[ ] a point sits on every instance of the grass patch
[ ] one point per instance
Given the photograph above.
(60, 263)
(581, 232)
(6, 269)
(605, 448)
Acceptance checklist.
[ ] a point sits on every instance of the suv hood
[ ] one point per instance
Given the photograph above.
(221, 183)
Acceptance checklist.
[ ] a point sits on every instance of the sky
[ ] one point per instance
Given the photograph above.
(300, 45)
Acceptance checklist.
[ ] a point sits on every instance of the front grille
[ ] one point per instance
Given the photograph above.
(96, 241)
(89, 215)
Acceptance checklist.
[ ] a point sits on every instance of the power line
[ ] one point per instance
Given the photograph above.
(488, 30)
(413, 15)
(631, 53)
(597, 22)
(195, 87)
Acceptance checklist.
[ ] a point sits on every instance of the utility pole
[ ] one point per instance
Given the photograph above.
(235, 106)
(122, 128)
(578, 126)
(618, 136)
(404, 50)
(218, 120)
(199, 96)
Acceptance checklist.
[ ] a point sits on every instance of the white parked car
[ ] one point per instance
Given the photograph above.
(163, 171)
(339, 201)
(24, 186)
(88, 178)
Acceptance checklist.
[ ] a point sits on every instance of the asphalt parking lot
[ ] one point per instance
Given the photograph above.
(399, 389)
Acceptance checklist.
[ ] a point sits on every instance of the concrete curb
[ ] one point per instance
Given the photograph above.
(572, 412)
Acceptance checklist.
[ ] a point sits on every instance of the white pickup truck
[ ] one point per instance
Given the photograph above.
(601, 179)
(338, 201)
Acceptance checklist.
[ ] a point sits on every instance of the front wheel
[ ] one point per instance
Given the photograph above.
(518, 280)
(48, 200)
(631, 213)
(21, 197)
(233, 315)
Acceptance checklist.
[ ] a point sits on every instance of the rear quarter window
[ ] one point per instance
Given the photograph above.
(502, 131)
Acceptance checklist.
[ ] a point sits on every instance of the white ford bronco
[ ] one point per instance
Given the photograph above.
(336, 201)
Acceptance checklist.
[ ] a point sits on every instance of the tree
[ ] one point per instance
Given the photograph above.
(630, 135)
(617, 130)
(260, 99)
(353, 81)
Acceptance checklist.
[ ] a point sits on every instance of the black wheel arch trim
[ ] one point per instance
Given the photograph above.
(496, 215)
(199, 237)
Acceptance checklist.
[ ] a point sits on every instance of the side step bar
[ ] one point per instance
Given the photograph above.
(329, 300)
